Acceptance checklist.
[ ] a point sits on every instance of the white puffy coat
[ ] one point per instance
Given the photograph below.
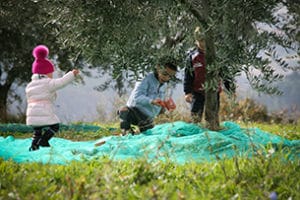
(41, 94)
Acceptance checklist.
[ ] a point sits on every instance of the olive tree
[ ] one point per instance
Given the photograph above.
(124, 38)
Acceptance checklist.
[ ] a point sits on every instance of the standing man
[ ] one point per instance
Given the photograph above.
(194, 79)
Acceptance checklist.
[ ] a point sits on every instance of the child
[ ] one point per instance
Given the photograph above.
(41, 93)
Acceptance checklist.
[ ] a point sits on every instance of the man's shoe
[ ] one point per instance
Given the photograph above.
(34, 147)
(125, 132)
(131, 131)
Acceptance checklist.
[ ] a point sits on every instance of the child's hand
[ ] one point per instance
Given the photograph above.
(75, 72)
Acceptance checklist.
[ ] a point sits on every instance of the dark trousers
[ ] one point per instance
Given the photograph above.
(197, 105)
(42, 139)
(133, 116)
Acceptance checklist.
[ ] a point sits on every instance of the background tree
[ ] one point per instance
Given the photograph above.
(23, 24)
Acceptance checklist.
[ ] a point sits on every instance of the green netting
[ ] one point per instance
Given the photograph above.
(179, 142)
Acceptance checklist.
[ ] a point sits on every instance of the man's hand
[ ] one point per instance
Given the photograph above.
(188, 97)
(168, 104)
(158, 102)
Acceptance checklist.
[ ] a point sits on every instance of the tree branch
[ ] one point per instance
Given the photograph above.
(195, 12)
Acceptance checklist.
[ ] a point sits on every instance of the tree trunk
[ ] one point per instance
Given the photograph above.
(212, 110)
(3, 102)
(211, 94)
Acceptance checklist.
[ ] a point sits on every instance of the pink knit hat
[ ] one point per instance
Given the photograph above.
(41, 64)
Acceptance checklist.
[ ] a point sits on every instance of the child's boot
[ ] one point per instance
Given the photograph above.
(36, 140)
(44, 142)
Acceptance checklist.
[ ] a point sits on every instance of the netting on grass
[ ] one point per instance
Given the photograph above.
(179, 142)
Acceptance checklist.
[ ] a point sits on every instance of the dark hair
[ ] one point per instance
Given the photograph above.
(168, 61)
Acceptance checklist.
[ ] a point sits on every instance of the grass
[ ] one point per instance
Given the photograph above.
(289, 131)
(102, 179)
(236, 178)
